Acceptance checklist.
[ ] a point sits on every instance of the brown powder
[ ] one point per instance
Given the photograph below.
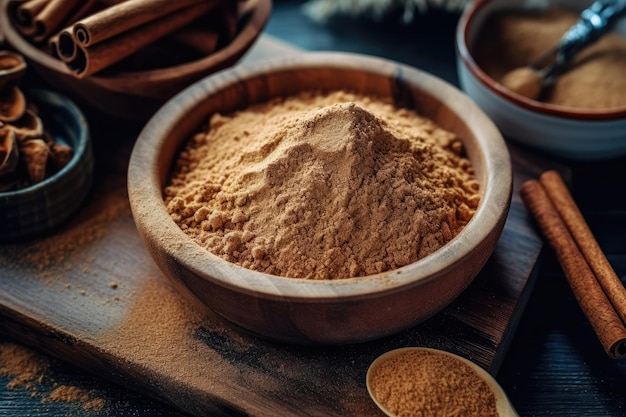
(322, 186)
(88, 227)
(29, 370)
(23, 366)
(161, 342)
(186, 349)
(595, 80)
(71, 393)
(422, 384)
(146, 331)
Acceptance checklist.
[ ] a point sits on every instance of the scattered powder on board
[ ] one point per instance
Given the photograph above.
(29, 370)
(147, 331)
(157, 336)
(23, 366)
(322, 186)
(72, 394)
(188, 349)
(89, 225)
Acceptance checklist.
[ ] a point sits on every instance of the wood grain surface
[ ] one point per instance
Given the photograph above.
(90, 294)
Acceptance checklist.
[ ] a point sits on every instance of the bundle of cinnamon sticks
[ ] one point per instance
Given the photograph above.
(92, 35)
(597, 288)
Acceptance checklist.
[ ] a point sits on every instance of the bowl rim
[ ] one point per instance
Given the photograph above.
(47, 97)
(149, 211)
(245, 37)
(466, 19)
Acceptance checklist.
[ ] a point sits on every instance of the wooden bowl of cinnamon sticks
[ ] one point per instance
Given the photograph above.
(311, 248)
(126, 58)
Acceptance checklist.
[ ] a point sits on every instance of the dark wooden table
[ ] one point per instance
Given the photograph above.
(554, 366)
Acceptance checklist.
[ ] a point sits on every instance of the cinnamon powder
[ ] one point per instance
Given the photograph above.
(422, 384)
(24, 367)
(72, 393)
(186, 349)
(322, 186)
(29, 370)
(594, 80)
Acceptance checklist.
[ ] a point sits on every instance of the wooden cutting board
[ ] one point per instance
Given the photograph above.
(90, 294)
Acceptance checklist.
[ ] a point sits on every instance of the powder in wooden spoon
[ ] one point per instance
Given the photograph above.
(424, 383)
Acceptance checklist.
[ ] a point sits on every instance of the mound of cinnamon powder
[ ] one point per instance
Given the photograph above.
(322, 186)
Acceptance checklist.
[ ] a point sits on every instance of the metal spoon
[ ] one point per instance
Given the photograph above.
(595, 21)
(503, 405)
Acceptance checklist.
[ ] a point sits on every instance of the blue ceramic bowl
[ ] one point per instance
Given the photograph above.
(41, 207)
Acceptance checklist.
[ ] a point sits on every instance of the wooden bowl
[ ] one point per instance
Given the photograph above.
(136, 95)
(319, 311)
(32, 211)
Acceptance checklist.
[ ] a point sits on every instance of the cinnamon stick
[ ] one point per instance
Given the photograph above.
(202, 41)
(587, 290)
(89, 60)
(247, 6)
(52, 17)
(23, 12)
(587, 243)
(125, 16)
(63, 48)
(212, 30)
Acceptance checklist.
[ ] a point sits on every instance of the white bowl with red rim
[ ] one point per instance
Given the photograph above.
(566, 132)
